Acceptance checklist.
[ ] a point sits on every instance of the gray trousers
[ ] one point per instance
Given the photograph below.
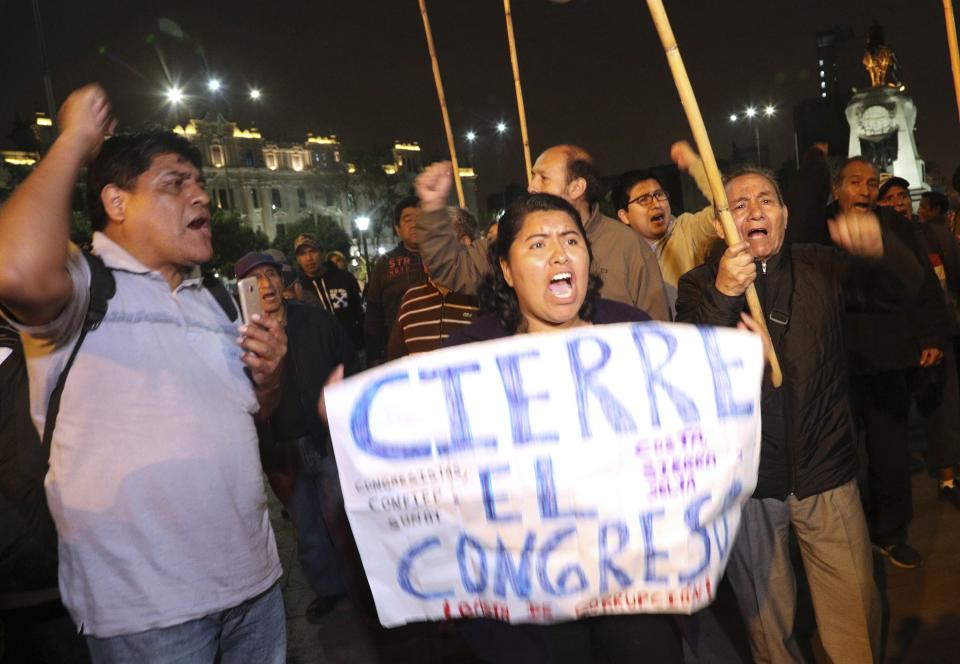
(837, 557)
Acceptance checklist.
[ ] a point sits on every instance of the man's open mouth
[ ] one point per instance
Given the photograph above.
(861, 207)
(561, 284)
(756, 233)
(199, 223)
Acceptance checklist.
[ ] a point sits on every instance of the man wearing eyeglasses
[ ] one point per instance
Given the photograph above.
(680, 243)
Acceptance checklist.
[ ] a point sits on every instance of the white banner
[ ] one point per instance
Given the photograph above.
(546, 477)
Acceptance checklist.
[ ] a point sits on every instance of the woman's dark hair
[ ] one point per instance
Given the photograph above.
(123, 158)
(496, 296)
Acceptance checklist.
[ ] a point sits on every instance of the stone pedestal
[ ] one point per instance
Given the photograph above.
(881, 128)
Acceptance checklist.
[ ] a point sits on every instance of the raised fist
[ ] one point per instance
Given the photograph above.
(683, 155)
(433, 186)
(85, 119)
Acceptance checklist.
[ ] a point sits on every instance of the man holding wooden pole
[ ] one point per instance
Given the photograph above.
(808, 465)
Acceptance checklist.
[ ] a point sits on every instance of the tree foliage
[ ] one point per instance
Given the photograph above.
(328, 231)
(231, 240)
(374, 193)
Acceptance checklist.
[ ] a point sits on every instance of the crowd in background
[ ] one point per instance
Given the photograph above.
(107, 475)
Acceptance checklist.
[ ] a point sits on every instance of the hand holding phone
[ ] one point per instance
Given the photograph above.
(248, 290)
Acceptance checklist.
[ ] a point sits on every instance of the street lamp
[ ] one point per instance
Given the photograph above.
(213, 85)
(752, 115)
(501, 127)
(471, 136)
(255, 94)
(174, 95)
(363, 223)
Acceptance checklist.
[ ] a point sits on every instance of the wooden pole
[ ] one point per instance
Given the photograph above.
(692, 109)
(516, 84)
(952, 47)
(443, 102)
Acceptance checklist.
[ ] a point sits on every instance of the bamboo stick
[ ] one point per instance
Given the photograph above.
(952, 47)
(516, 84)
(692, 109)
(443, 102)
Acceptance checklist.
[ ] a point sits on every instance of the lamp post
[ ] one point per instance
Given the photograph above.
(501, 130)
(363, 223)
(471, 137)
(752, 115)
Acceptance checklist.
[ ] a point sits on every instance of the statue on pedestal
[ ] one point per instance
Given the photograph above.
(882, 117)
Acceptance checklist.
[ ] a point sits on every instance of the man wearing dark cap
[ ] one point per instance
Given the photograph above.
(324, 285)
(295, 441)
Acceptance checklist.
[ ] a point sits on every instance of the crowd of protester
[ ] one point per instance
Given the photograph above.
(133, 492)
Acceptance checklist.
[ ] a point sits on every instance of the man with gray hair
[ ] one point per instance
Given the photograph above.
(807, 475)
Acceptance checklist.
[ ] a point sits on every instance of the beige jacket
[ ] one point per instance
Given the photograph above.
(688, 238)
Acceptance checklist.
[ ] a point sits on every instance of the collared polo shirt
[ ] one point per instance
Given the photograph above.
(155, 482)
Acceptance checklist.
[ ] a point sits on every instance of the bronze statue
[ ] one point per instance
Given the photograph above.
(879, 58)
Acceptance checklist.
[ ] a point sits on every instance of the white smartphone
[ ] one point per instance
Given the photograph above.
(248, 290)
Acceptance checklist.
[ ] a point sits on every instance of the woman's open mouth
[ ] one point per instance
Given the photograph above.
(561, 285)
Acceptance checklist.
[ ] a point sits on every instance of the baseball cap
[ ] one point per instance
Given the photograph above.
(306, 240)
(893, 181)
(254, 259)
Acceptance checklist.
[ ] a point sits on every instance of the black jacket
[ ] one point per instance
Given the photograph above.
(338, 292)
(316, 344)
(880, 341)
(394, 273)
(806, 429)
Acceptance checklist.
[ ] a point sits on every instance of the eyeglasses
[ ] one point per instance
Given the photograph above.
(646, 199)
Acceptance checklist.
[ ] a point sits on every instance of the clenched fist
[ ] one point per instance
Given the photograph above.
(857, 233)
(737, 270)
(85, 119)
(683, 155)
(433, 186)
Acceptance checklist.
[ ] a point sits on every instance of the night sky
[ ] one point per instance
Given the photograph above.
(593, 71)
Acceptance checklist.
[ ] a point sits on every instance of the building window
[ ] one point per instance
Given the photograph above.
(296, 161)
(271, 160)
(281, 230)
(328, 197)
(302, 199)
(248, 159)
(223, 199)
(255, 197)
(216, 156)
(275, 199)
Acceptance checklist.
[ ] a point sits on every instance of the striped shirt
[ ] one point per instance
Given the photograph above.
(427, 315)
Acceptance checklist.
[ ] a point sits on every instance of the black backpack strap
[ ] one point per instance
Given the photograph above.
(102, 287)
(222, 296)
